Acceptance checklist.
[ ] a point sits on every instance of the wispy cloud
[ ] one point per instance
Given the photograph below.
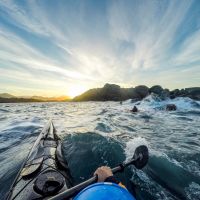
(93, 42)
(150, 26)
(190, 50)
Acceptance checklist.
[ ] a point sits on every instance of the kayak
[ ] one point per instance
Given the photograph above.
(44, 173)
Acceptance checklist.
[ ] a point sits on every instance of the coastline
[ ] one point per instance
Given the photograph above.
(111, 92)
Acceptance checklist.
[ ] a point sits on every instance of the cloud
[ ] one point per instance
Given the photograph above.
(150, 26)
(189, 50)
(91, 43)
(16, 50)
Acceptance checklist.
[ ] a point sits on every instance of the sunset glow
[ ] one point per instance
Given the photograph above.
(58, 47)
(76, 90)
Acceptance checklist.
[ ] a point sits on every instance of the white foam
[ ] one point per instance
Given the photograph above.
(193, 191)
(129, 101)
(152, 102)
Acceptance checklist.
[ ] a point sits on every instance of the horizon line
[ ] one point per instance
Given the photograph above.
(71, 97)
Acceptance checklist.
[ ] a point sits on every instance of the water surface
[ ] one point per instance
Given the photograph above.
(107, 133)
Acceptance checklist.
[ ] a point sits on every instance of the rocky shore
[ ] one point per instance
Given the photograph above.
(112, 92)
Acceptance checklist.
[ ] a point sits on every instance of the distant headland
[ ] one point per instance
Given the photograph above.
(111, 92)
(8, 98)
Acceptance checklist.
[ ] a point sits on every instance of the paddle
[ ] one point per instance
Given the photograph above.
(139, 160)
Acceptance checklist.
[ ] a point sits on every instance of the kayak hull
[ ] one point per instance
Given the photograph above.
(45, 172)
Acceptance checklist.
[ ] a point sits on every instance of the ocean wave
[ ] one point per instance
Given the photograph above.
(107, 133)
(151, 103)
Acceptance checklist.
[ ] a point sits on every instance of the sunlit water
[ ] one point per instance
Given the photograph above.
(106, 133)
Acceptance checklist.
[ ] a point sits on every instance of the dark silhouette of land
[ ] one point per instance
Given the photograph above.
(8, 98)
(111, 92)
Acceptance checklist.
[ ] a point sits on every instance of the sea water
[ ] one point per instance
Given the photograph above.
(107, 133)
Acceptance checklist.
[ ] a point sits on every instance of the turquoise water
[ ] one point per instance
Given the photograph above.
(106, 133)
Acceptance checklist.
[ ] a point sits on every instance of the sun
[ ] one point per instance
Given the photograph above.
(76, 90)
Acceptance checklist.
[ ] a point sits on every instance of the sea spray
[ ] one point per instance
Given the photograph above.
(151, 103)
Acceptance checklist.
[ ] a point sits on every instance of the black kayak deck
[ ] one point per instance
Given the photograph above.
(45, 172)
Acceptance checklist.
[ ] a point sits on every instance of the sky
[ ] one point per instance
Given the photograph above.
(65, 47)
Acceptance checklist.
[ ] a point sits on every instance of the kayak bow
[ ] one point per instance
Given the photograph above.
(44, 172)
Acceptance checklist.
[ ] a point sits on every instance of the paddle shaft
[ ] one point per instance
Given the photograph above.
(76, 189)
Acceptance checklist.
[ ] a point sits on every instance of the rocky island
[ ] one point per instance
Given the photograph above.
(112, 92)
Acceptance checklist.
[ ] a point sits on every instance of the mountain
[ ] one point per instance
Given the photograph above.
(6, 95)
(112, 92)
(8, 98)
(61, 98)
(17, 100)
